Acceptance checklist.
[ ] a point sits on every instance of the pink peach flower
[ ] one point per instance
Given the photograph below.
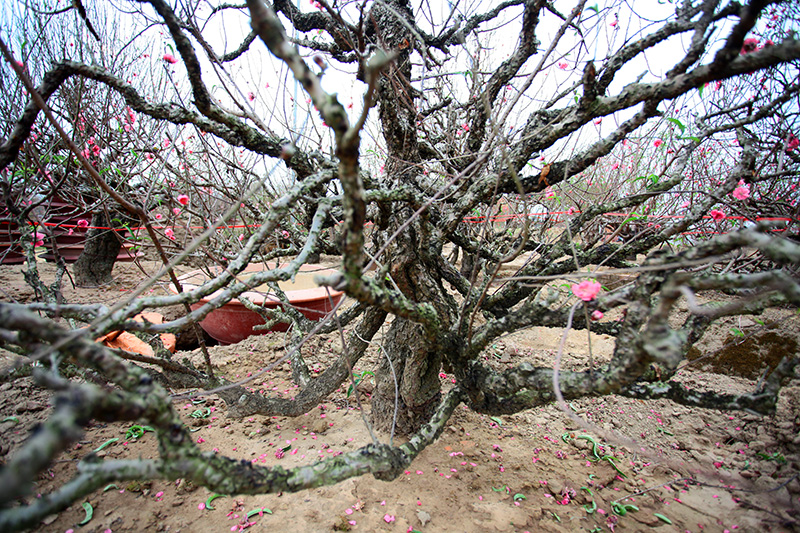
(169, 58)
(83, 223)
(742, 192)
(717, 215)
(749, 45)
(170, 234)
(183, 199)
(586, 290)
(597, 314)
(388, 518)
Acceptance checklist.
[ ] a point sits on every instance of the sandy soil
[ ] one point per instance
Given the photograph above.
(528, 472)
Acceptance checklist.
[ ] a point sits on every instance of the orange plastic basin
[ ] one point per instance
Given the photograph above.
(233, 322)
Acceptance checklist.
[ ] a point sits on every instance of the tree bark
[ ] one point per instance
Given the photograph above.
(93, 268)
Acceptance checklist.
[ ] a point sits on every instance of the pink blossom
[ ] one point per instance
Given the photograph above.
(176, 211)
(158, 216)
(39, 237)
(597, 314)
(586, 290)
(792, 143)
(598, 120)
(742, 192)
(717, 215)
(170, 234)
(251, 96)
(285, 234)
(169, 58)
(750, 45)
(657, 143)
(183, 199)
(685, 205)
(614, 24)
(83, 223)
(563, 65)
(388, 518)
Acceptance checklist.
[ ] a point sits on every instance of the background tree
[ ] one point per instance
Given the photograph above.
(466, 122)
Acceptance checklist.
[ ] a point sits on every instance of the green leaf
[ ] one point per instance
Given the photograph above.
(109, 442)
(662, 518)
(201, 413)
(496, 420)
(87, 507)
(594, 8)
(519, 496)
(211, 499)
(737, 332)
(701, 89)
(136, 431)
(110, 486)
(11, 419)
(619, 509)
(677, 123)
(258, 511)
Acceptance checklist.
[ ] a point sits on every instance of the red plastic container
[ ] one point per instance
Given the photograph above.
(233, 322)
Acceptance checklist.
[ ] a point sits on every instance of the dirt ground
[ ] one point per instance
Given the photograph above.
(533, 471)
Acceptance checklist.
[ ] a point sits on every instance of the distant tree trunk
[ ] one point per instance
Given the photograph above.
(93, 268)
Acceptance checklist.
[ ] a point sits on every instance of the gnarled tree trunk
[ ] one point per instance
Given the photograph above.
(93, 268)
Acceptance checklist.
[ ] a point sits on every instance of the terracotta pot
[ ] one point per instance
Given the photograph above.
(131, 343)
(233, 322)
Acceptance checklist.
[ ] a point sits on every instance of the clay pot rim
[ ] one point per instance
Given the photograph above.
(269, 300)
